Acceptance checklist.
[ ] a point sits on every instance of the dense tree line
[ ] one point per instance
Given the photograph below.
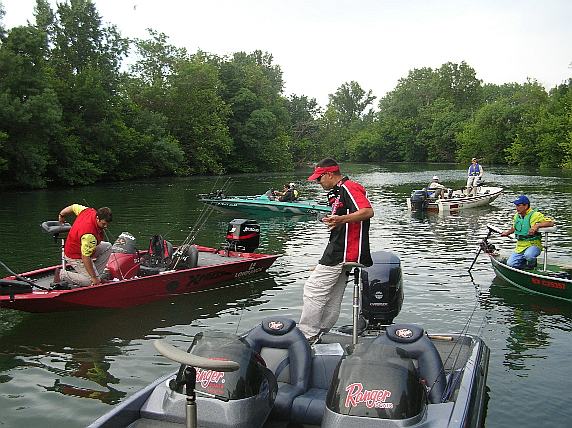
(70, 114)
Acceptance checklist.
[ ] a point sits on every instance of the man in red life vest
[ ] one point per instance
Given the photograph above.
(85, 250)
(349, 242)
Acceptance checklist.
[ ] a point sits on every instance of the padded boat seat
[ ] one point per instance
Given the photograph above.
(309, 407)
(287, 353)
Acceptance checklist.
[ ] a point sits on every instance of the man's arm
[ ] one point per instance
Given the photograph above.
(88, 264)
(507, 232)
(534, 228)
(357, 216)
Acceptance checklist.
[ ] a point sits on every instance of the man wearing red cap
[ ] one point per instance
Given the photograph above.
(349, 242)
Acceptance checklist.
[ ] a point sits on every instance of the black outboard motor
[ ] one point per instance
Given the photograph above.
(245, 397)
(419, 200)
(382, 289)
(243, 235)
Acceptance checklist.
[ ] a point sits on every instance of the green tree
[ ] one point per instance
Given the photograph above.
(30, 113)
(252, 87)
(304, 127)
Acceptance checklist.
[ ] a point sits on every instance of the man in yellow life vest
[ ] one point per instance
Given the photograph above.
(525, 225)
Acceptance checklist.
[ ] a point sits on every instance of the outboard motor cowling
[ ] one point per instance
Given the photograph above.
(393, 377)
(375, 381)
(123, 262)
(243, 235)
(249, 392)
(419, 200)
(382, 289)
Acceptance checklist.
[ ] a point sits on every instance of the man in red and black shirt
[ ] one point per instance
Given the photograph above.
(349, 242)
(86, 253)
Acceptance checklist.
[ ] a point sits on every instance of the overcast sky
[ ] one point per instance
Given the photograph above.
(320, 44)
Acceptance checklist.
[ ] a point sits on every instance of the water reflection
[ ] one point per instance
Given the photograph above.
(530, 320)
(83, 346)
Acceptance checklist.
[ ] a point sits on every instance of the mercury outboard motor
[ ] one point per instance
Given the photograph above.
(123, 262)
(382, 289)
(243, 235)
(243, 398)
(419, 200)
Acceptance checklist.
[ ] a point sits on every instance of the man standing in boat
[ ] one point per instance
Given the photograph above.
(475, 173)
(525, 225)
(85, 250)
(349, 242)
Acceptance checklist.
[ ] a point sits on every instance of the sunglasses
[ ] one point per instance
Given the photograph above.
(320, 177)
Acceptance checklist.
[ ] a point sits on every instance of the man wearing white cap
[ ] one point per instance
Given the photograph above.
(437, 187)
(349, 242)
(525, 225)
(475, 173)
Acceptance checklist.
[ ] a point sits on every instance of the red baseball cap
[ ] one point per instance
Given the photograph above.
(321, 170)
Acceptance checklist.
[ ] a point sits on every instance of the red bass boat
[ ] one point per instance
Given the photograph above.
(138, 277)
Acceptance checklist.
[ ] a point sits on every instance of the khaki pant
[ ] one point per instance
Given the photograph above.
(78, 276)
(323, 294)
(472, 184)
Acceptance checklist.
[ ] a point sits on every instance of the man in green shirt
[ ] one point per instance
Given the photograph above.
(525, 225)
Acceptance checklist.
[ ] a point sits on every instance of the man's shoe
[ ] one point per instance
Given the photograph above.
(314, 339)
(105, 276)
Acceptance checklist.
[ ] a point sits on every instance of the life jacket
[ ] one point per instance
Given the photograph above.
(84, 223)
(160, 251)
(522, 226)
(474, 169)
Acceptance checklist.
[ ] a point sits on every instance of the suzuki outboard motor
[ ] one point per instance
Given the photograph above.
(382, 289)
(244, 398)
(419, 200)
(243, 235)
(123, 262)
(393, 377)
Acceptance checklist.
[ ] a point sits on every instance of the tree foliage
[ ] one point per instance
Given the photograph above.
(70, 115)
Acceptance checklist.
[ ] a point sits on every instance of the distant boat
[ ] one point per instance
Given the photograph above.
(453, 201)
(264, 203)
(546, 279)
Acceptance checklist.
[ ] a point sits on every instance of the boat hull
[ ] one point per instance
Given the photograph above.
(536, 281)
(459, 201)
(262, 204)
(215, 268)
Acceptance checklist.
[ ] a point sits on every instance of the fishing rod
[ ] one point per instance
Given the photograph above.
(200, 222)
(20, 278)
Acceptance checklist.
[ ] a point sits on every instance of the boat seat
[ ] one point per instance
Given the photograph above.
(309, 407)
(287, 353)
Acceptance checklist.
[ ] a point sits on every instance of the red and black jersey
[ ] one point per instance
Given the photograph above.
(350, 242)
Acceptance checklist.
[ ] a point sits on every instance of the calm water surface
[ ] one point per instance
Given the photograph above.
(67, 369)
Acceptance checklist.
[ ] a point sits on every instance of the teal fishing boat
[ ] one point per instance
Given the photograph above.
(546, 279)
(264, 203)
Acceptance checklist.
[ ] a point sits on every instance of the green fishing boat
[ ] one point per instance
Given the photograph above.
(546, 279)
(264, 203)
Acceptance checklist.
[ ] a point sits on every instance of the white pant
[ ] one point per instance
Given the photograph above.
(79, 276)
(472, 181)
(323, 294)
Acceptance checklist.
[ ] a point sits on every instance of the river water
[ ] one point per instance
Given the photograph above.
(66, 369)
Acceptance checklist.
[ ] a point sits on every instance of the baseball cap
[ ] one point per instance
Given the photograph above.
(521, 200)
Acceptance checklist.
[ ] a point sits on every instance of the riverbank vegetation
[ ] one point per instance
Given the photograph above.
(72, 112)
